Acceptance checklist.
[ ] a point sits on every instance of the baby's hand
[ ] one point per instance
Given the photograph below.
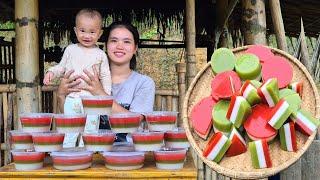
(48, 78)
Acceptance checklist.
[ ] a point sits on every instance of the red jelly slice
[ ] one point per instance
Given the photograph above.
(201, 116)
(278, 68)
(264, 54)
(225, 84)
(236, 148)
(257, 126)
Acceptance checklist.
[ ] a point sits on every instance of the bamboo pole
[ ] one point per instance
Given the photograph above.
(278, 24)
(305, 60)
(181, 71)
(1, 123)
(5, 122)
(27, 55)
(254, 21)
(190, 41)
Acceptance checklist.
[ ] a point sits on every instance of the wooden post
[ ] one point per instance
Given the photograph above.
(181, 71)
(278, 24)
(27, 55)
(254, 21)
(190, 41)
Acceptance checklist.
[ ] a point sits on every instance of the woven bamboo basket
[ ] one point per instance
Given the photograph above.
(240, 166)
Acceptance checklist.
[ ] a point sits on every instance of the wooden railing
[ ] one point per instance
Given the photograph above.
(165, 100)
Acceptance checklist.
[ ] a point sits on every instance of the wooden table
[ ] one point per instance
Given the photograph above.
(99, 171)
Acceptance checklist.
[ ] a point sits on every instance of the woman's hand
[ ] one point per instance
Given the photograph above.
(94, 84)
(67, 84)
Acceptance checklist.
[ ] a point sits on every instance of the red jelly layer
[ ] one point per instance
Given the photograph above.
(99, 103)
(225, 84)
(146, 138)
(278, 68)
(70, 121)
(48, 139)
(236, 148)
(21, 138)
(61, 160)
(34, 157)
(161, 119)
(98, 139)
(124, 120)
(171, 156)
(36, 121)
(257, 125)
(124, 160)
(264, 54)
(201, 115)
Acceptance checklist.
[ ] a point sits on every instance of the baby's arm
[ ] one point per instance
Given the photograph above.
(105, 75)
(57, 70)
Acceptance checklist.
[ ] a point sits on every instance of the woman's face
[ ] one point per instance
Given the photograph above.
(121, 46)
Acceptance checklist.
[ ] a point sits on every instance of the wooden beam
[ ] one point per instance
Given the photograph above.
(278, 24)
(254, 22)
(190, 41)
(27, 55)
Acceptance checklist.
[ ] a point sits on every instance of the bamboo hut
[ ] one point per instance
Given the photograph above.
(205, 23)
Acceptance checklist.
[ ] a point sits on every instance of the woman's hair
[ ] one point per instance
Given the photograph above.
(134, 32)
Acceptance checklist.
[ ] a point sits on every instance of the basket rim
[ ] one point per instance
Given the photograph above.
(262, 172)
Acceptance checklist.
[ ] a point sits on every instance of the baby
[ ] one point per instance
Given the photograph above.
(83, 55)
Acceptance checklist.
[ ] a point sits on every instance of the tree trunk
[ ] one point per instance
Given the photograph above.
(254, 22)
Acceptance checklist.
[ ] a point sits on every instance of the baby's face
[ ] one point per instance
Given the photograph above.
(88, 30)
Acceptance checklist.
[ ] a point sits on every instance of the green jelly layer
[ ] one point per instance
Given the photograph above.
(222, 60)
(254, 155)
(256, 83)
(294, 102)
(273, 90)
(253, 97)
(222, 151)
(286, 92)
(244, 112)
(219, 113)
(248, 66)
(283, 144)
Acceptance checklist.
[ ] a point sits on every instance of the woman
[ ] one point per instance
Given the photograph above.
(131, 91)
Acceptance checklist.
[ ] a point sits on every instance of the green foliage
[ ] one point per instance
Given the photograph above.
(7, 25)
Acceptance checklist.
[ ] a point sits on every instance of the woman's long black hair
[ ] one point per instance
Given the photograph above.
(133, 30)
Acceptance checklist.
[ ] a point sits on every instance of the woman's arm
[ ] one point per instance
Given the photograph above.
(66, 86)
(95, 88)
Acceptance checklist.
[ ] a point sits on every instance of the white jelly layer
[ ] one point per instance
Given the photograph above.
(161, 127)
(169, 166)
(22, 146)
(72, 167)
(124, 168)
(148, 147)
(98, 147)
(36, 129)
(70, 129)
(48, 148)
(124, 130)
(99, 111)
(171, 144)
(27, 167)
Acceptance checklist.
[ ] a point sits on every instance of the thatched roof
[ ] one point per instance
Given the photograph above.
(58, 15)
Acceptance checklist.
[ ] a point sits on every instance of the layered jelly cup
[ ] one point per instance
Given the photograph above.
(71, 160)
(26, 161)
(70, 123)
(123, 160)
(20, 140)
(97, 105)
(161, 120)
(98, 141)
(124, 122)
(36, 122)
(170, 158)
(47, 142)
(176, 139)
(147, 141)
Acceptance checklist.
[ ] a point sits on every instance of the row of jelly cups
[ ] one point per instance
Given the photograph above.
(120, 123)
(98, 141)
(75, 160)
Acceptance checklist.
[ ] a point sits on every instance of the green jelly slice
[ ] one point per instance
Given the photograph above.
(248, 66)
(220, 121)
(222, 60)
